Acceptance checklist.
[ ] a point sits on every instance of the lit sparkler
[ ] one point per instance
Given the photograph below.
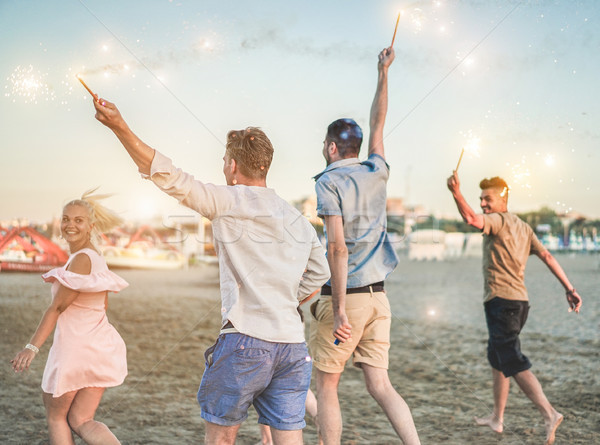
(471, 146)
(462, 152)
(94, 95)
(418, 14)
(395, 29)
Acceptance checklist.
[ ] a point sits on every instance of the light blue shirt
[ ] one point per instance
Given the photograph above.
(356, 191)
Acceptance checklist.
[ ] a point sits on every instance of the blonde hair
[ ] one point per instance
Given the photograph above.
(103, 218)
(252, 150)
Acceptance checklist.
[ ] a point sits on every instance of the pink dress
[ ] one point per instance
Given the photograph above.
(87, 350)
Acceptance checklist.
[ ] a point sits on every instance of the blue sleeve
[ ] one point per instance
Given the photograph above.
(328, 199)
(377, 163)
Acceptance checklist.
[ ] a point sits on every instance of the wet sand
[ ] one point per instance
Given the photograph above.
(437, 359)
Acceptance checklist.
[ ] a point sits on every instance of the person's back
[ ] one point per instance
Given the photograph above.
(269, 261)
(352, 317)
(358, 190)
(263, 245)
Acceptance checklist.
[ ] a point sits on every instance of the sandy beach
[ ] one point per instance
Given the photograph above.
(437, 359)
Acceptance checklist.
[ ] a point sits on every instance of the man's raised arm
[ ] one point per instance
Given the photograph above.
(380, 103)
(142, 154)
(465, 210)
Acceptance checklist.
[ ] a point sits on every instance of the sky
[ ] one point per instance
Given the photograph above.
(513, 82)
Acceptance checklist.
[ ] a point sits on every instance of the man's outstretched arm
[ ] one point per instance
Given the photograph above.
(380, 103)
(141, 153)
(468, 214)
(573, 298)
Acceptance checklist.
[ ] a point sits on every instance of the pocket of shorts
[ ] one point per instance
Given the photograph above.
(251, 352)
(247, 361)
(208, 355)
(313, 309)
(322, 311)
(511, 319)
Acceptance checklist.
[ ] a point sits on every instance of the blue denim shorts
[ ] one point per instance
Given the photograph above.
(505, 319)
(242, 371)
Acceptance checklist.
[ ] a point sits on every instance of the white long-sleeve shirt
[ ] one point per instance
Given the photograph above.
(269, 255)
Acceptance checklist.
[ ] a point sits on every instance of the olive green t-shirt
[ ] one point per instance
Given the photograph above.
(507, 243)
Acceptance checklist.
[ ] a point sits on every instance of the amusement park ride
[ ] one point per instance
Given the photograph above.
(24, 249)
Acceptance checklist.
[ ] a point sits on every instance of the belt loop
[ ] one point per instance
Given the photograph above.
(371, 290)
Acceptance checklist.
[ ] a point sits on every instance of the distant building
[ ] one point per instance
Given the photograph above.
(308, 207)
(395, 207)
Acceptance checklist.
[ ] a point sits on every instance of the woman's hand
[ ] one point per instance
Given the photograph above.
(22, 360)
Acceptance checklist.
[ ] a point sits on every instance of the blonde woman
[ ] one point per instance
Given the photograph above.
(88, 354)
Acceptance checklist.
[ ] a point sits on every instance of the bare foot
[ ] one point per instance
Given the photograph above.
(492, 421)
(551, 427)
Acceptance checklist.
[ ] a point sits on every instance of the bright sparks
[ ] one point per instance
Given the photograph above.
(520, 174)
(472, 144)
(425, 16)
(417, 19)
(205, 45)
(28, 85)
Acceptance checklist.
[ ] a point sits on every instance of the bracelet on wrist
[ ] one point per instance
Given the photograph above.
(31, 347)
(571, 292)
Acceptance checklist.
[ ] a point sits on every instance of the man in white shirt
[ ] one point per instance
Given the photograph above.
(270, 259)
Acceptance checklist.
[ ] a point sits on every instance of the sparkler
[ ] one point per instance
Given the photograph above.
(395, 29)
(94, 95)
(462, 152)
(472, 146)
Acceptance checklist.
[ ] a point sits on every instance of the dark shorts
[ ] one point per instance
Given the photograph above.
(505, 319)
(242, 371)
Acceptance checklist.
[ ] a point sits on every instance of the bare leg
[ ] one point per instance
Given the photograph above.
(81, 418)
(311, 404)
(220, 435)
(501, 387)
(530, 385)
(311, 409)
(57, 409)
(281, 437)
(394, 406)
(328, 406)
(265, 435)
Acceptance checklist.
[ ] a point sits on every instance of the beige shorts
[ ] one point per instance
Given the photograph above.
(370, 317)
